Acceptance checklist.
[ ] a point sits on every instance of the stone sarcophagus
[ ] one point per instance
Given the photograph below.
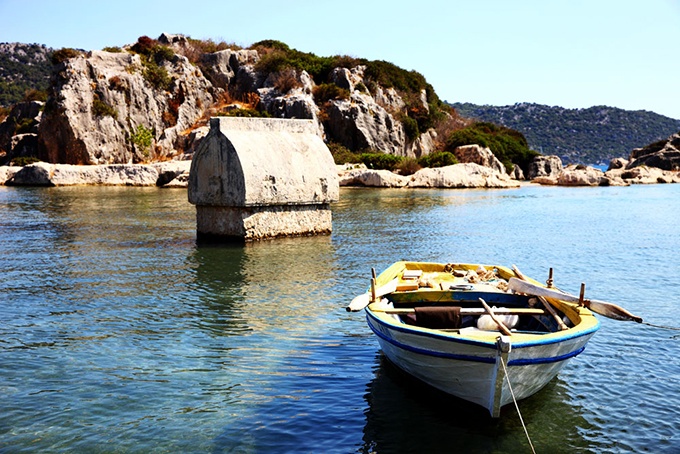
(258, 178)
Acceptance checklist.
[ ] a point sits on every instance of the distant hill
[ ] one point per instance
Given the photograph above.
(587, 136)
(23, 67)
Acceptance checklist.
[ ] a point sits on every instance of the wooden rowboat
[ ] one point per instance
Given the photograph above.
(460, 328)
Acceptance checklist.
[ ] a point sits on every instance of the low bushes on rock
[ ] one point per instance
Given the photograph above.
(438, 159)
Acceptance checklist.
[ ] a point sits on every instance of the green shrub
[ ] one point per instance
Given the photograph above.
(438, 159)
(102, 109)
(390, 75)
(153, 55)
(142, 138)
(342, 154)
(61, 55)
(361, 87)
(408, 166)
(157, 76)
(35, 95)
(284, 81)
(508, 145)
(378, 160)
(22, 161)
(24, 126)
(113, 49)
(276, 56)
(410, 127)
(244, 113)
(326, 92)
(208, 46)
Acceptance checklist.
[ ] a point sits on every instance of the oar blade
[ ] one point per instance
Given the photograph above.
(599, 307)
(611, 311)
(361, 301)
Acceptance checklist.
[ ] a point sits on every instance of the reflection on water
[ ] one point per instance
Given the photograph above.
(119, 332)
(404, 415)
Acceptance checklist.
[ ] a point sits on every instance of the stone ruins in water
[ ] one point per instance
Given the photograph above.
(260, 178)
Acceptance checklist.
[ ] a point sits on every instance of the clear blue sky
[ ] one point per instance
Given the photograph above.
(569, 53)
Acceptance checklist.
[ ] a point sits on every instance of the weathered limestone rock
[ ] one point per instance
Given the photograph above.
(373, 178)
(101, 100)
(467, 175)
(423, 145)
(222, 67)
(291, 102)
(664, 155)
(517, 173)
(7, 173)
(256, 178)
(45, 174)
(545, 181)
(360, 123)
(544, 166)
(172, 173)
(579, 175)
(645, 175)
(18, 132)
(617, 163)
(479, 155)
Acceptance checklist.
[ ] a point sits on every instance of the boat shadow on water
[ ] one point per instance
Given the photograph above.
(406, 415)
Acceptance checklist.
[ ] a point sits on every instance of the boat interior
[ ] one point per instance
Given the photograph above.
(448, 299)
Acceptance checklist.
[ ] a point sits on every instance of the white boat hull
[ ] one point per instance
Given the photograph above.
(470, 369)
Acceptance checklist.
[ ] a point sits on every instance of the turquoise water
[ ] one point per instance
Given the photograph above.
(118, 333)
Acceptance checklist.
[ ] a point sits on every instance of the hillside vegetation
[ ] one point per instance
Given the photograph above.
(586, 136)
(23, 68)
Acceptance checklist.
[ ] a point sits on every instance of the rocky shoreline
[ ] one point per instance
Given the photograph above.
(175, 174)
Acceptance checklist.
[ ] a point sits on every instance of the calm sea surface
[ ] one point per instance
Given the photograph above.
(118, 333)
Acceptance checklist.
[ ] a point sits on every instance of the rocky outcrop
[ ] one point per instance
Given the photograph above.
(645, 175)
(373, 178)
(580, 175)
(479, 155)
(468, 175)
(617, 163)
(126, 107)
(664, 155)
(544, 166)
(369, 120)
(19, 131)
(171, 174)
(361, 124)
(104, 103)
(7, 173)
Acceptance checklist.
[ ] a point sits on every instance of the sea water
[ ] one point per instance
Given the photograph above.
(119, 333)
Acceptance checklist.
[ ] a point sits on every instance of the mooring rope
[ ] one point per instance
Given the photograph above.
(526, 432)
(661, 326)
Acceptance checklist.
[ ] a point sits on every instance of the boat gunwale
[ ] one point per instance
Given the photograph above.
(541, 339)
(480, 359)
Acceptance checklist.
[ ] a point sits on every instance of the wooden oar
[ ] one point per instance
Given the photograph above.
(543, 300)
(501, 326)
(599, 307)
(363, 300)
(466, 311)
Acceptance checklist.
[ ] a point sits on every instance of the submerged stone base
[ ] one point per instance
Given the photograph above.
(217, 223)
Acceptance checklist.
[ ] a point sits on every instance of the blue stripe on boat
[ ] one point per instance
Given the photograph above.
(478, 359)
(532, 343)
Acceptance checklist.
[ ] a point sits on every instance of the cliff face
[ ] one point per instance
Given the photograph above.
(102, 105)
(130, 107)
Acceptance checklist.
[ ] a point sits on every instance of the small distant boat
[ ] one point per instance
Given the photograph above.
(462, 329)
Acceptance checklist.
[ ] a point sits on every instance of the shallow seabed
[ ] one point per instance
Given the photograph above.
(119, 333)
